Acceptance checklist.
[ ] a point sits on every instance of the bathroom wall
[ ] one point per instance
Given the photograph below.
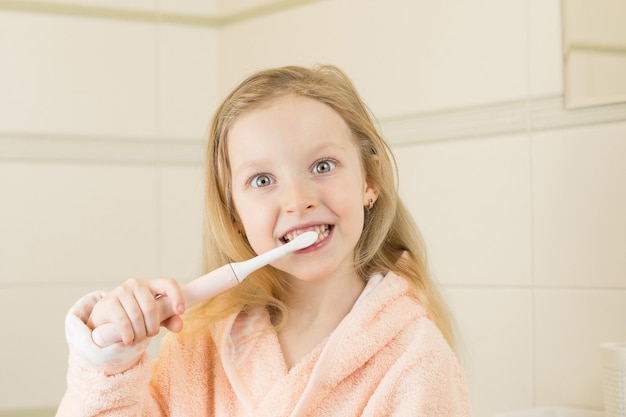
(102, 113)
(521, 202)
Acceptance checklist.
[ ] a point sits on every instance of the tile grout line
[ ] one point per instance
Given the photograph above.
(531, 271)
(158, 130)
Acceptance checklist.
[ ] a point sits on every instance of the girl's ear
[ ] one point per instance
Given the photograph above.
(372, 189)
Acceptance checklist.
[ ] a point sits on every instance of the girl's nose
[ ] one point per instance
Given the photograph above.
(298, 197)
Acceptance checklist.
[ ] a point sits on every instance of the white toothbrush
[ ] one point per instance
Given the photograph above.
(211, 284)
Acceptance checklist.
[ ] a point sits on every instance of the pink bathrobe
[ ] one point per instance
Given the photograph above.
(386, 358)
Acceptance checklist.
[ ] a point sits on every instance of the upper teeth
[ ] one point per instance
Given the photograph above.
(322, 232)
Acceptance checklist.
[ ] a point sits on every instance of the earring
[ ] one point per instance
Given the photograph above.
(371, 205)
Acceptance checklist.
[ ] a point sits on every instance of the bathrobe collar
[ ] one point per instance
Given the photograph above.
(384, 308)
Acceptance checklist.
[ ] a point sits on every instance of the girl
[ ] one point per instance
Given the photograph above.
(350, 326)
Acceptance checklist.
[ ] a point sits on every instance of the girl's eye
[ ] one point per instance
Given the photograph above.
(324, 166)
(261, 180)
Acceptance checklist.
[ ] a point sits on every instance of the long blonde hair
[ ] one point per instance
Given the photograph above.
(390, 239)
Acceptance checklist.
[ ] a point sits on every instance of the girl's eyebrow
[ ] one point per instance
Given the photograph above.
(327, 146)
(247, 166)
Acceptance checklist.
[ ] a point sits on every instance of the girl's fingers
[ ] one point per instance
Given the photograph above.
(173, 324)
(117, 314)
(131, 296)
(143, 310)
(151, 317)
(132, 307)
(171, 289)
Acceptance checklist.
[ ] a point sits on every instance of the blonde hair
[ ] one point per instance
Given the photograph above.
(390, 239)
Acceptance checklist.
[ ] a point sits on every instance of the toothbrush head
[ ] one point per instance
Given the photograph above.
(304, 240)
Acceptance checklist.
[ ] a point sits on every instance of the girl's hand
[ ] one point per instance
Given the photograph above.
(132, 307)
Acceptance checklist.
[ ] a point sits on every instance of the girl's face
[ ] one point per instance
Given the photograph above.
(295, 167)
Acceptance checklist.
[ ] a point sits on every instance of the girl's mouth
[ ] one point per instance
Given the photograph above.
(322, 230)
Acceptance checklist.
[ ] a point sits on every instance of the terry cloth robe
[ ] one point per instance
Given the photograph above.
(386, 358)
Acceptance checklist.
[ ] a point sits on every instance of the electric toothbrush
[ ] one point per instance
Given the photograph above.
(211, 284)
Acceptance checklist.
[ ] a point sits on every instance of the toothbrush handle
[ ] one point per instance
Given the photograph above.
(198, 290)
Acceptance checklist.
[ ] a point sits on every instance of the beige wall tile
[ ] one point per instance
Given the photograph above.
(77, 223)
(437, 55)
(495, 344)
(579, 201)
(182, 209)
(405, 57)
(545, 47)
(188, 80)
(471, 200)
(68, 75)
(569, 327)
(288, 37)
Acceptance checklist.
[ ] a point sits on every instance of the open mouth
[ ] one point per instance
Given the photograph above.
(322, 231)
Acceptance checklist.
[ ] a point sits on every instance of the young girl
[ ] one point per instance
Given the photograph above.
(350, 326)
